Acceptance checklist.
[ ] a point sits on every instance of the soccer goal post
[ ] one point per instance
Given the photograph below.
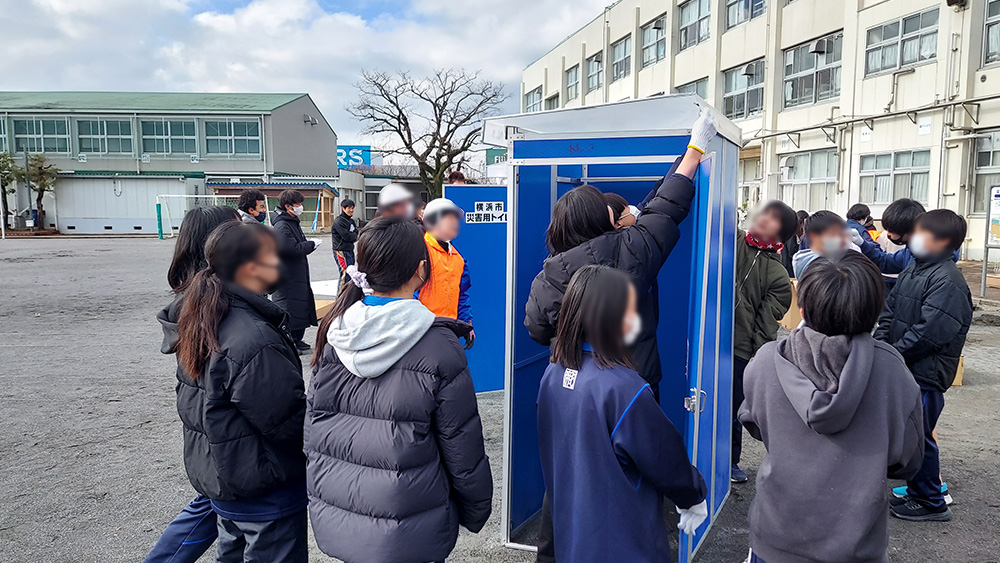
(171, 209)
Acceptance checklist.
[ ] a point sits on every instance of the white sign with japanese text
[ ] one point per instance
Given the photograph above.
(487, 212)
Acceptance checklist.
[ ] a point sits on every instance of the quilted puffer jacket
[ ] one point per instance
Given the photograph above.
(393, 438)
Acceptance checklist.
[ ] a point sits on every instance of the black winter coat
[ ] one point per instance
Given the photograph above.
(926, 318)
(243, 416)
(294, 294)
(344, 233)
(397, 462)
(640, 250)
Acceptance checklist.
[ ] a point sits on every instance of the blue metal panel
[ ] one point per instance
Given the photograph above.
(484, 247)
(591, 148)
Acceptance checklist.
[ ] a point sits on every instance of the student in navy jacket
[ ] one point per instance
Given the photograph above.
(608, 452)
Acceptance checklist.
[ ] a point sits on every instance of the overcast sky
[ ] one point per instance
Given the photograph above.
(314, 46)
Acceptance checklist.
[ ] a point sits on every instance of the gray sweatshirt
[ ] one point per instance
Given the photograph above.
(838, 416)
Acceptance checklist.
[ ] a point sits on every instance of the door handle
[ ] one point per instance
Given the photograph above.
(696, 401)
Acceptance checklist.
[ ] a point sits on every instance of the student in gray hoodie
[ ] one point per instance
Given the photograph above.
(838, 413)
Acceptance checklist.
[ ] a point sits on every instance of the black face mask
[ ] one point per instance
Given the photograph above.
(898, 242)
(261, 217)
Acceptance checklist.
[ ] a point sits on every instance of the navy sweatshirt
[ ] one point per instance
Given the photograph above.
(608, 454)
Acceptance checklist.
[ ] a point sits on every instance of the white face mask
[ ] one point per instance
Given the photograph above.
(410, 209)
(297, 210)
(918, 245)
(635, 327)
(832, 245)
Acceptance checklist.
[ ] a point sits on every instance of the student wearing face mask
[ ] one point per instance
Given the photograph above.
(252, 206)
(623, 214)
(609, 454)
(396, 201)
(446, 293)
(294, 294)
(828, 235)
(926, 319)
(241, 398)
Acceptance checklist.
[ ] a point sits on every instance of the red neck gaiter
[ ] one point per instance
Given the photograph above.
(773, 245)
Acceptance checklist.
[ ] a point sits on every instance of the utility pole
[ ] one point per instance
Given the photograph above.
(27, 183)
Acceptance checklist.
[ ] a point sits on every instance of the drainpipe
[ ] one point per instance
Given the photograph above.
(895, 85)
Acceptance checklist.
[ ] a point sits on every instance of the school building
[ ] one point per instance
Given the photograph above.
(118, 152)
(840, 101)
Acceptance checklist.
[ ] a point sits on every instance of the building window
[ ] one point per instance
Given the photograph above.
(232, 137)
(3, 135)
(694, 22)
(809, 179)
(573, 83)
(104, 136)
(699, 87)
(41, 135)
(533, 100)
(552, 103)
(886, 177)
(739, 11)
(902, 42)
(654, 41)
(164, 136)
(595, 68)
(987, 170)
(744, 95)
(812, 71)
(992, 42)
(621, 59)
(749, 176)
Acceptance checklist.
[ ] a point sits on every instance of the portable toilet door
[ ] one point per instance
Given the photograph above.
(625, 148)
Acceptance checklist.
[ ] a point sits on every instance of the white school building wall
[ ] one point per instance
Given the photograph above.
(840, 101)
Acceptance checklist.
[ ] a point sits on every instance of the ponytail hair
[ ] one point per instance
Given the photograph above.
(206, 300)
(390, 249)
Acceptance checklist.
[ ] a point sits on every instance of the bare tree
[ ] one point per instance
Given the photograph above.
(436, 120)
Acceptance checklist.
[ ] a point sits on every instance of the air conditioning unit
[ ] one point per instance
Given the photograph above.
(818, 47)
(81, 158)
(194, 159)
(144, 158)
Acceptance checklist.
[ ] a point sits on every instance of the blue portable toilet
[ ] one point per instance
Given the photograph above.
(624, 148)
(482, 241)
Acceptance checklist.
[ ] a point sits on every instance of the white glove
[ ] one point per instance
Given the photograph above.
(316, 242)
(702, 132)
(856, 238)
(692, 518)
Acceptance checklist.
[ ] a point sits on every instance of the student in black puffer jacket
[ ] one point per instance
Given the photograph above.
(582, 232)
(396, 460)
(240, 396)
(926, 319)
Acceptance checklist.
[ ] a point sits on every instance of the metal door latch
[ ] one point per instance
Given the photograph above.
(696, 402)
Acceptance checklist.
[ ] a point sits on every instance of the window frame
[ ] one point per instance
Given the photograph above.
(168, 138)
(103, 138)
(532, 105)
(548, 102)
(693, 87)
(38, 137)
(990, 23)
(572, 88)
(3, 134)
(829, 183)
(747, 10)
(744, 92)
(899, 40)
(701, 25)
(814, 71)
(231, 138)
(621, 67)
(598, 73)
(656, 44)
(991, 168)
(892, 172)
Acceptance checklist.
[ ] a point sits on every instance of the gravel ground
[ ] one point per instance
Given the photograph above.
(92, 470)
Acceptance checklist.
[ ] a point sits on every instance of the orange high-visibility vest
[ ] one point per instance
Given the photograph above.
(441, 293)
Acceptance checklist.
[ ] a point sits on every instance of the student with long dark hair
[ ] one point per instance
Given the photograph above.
(582, 232)
(241, 399)
(393, 435)
(609, 454)
(193, 531)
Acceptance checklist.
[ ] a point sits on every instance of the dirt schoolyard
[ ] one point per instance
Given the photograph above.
(92, 470)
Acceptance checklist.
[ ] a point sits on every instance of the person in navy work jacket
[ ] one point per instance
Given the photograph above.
(608, 452)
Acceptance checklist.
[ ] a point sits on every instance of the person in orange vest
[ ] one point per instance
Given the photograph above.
(446, 293)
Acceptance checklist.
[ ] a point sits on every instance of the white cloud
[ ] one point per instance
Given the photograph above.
(270, 45)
